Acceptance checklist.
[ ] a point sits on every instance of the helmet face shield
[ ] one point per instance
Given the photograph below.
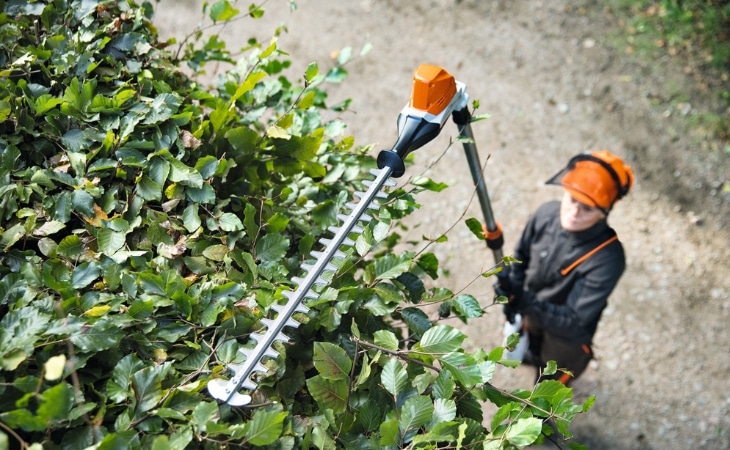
(594, 179)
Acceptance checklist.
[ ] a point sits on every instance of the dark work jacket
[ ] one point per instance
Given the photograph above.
(568, 307)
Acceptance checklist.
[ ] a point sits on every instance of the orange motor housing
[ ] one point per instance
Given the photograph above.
(433, 89)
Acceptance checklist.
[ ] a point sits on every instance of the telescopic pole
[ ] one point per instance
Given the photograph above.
(493, 235)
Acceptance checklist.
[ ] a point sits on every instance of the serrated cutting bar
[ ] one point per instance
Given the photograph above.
(228, 390)
(435, 96)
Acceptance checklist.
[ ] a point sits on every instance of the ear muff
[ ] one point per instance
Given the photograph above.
(598, 179)
(621, 188)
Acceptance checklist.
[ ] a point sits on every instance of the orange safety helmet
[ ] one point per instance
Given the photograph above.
(598, 179)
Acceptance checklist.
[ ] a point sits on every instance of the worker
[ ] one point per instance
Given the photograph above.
(570, 262)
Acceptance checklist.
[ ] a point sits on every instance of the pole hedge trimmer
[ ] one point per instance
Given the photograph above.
(435, 96)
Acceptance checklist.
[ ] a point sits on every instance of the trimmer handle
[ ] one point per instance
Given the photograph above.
(436, 94)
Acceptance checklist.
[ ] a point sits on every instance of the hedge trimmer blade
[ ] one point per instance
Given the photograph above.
(435, 96)
(228, 391)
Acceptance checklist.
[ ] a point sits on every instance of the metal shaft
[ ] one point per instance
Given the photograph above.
(475, 168)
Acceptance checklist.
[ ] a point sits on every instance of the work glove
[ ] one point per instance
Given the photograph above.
(503, 288)
(512, 306)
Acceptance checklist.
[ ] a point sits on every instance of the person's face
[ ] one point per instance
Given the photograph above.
(576, 216)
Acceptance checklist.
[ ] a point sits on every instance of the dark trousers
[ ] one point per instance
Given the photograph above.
(571, 359)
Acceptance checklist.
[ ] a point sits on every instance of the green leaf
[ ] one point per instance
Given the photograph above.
(71, 247)
(389, 433)
(443, 387)
(416, 412)
(204, 195)
(441, 339)
(524, 431)
(311, 72)
(191, 220)
(109, 241)
(272, 247)
(265, 427)
(467, 307)
(148, 189)
(76, 141)
(394, 377)
(83, 202)
(463, 368)
(147, 387)
(475, 226)
(203, 414)
(248, 84)
(550, 368)
(207, 166)
(331, 361)
(444, 410)
(417, 320)
(216, 252)
(222, 11)
(277, 223)
(152, 283)
(56, 402)
(428, 184)
(390, 267)
(547, 389)
(84, 274)
(12, 235)
(48, 228)
(100, 336)
(386, 339)
(162, 108)
(429, 264)
(329, 394)
(230, 222)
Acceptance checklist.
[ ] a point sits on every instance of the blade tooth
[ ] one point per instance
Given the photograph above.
(359, 194)
(348, 242)
(339, 254)
(260, 368)
(271, 353)
(256, 336)
(373, 205)
(281, 337)
(287, 294)
(321, 281)
(221, 390)
(267, 322)
(331, 267)
(343, 217)
(235, 368)
(381, 194)
(366, 218)
(389, 182)
(307, 266)
(317, 254)
(277, 307)
(245, 352)
(297, 280)
(368, 183)
(301, 309)
(250, 385)
(311, 294)
(292, 323)
(357, 229)
(325, 241)
(352, 206)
